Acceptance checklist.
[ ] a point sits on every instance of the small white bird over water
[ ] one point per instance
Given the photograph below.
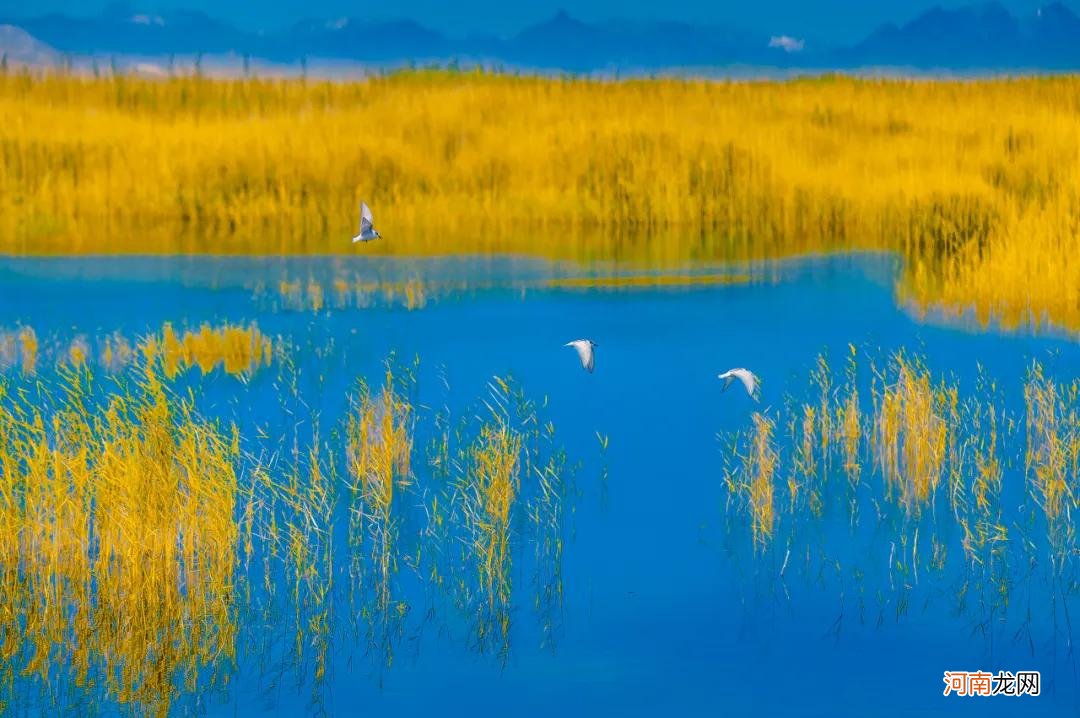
(367, 228)
(585, 352)
(745, 376)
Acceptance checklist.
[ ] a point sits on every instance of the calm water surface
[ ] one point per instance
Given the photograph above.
(666, 608)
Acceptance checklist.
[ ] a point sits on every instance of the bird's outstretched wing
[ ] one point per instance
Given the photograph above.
(749, 381)
(366, 220)
(585, 353)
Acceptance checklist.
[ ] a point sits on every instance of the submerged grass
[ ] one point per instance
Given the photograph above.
(911, 432)
(148, 551)
(761, 466)
(974, 182)
(932, 484)
(1052, 457)
(379, 456)
(117, 514)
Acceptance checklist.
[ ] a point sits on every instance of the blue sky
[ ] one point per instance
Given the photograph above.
(824, 20)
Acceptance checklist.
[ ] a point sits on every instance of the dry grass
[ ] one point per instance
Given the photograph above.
(942, 513)
(1052, 458)
(911, 433)
(118, 536)
(761, 467)
(975, 182)
(932, 446)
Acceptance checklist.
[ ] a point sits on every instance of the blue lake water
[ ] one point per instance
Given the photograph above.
(666, 606)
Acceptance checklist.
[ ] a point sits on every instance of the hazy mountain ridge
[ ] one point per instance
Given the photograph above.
(19, 46)
(985, 36)
(979, 36)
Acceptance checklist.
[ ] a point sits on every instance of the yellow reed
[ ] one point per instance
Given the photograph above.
(117, 534)
(974, 182)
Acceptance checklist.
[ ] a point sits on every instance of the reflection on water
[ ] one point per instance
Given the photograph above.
(237, 349)
(119, 543)
(973, 181)
(914, 491)
(348, 292)
(344, 294)
(217, 500)
(150, 544)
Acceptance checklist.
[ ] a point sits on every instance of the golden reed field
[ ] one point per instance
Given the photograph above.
(975, 183)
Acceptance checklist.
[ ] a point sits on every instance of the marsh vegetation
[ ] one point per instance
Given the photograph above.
(154, 543)
(201, 510)
(973, 183)
(895, 487)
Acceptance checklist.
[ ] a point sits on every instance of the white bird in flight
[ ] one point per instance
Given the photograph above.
(744, 375)
(585, 352)
(367, 229)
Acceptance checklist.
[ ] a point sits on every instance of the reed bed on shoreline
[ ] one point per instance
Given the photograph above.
(973, 182)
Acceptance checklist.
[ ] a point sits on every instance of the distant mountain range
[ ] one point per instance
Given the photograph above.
(20, 46)
(978, 37)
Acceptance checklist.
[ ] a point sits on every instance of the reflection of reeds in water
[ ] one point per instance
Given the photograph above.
(118, 540)
(497, 483)
(1052, 459)
(345, 293)
(158, 550)
(761, 465)
(647, 281)
(849, 422)
(379, 449)
(350, 292)
(116, 352)
(489, 489)
(975, 484)
(78, 351)
(548, 509)
(236, 348)
(28, 349)
(992, 280)
(460, 511)
(935, 491)
(380, 444)
(971, 180)
(511, 471)
(910, 433)
(19, 348)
